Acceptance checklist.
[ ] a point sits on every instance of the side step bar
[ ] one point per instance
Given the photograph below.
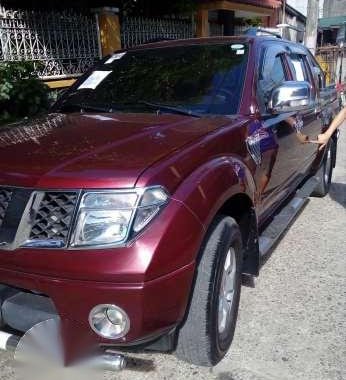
(285, 218)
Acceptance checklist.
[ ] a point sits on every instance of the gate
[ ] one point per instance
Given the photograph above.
(333, 62)
(139, 30)
(65, 43)
(215, 29)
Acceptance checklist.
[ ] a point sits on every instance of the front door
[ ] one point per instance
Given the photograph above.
(276, 136)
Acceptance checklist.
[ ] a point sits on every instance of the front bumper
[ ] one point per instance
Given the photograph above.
(154, 307)
(150, 279)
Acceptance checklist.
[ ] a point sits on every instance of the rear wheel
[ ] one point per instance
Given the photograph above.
(208, 330)
(325, 172)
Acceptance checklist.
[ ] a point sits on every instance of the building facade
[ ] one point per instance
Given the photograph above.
(332, 8)
(332, 40)
(63, 38)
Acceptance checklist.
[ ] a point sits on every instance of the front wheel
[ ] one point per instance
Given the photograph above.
(207, 333)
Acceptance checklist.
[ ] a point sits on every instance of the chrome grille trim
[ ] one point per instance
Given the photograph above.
(53, 217)
(44, 218)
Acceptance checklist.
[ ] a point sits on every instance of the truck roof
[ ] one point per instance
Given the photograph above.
(213, 40)
(202, 41)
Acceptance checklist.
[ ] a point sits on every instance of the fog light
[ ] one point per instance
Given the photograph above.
(109, 321)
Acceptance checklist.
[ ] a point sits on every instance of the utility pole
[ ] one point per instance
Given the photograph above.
(283, 18)
(312, 25)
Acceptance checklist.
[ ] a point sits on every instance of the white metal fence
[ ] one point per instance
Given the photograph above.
(66, 43)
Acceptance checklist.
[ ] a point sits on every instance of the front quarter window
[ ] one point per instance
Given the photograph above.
(272, 74)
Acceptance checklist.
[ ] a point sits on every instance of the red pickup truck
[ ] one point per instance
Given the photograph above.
(131, 212)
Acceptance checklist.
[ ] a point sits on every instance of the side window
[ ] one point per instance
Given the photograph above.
(299, 69)
(320, 78)
(318, 74)
(272, 74)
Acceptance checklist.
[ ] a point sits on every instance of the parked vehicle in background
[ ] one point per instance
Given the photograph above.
(129, 214)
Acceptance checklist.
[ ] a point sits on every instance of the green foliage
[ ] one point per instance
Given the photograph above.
(254, 21)
(250, 22)
(21, 92)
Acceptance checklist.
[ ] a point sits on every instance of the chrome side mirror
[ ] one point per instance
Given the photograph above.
(291, 97)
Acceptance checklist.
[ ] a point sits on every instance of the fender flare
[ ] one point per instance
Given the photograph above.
(210, 186)
(218, 181)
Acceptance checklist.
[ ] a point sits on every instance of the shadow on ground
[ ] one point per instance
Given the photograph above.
(140, 365)
(338, 193)
(225, 376)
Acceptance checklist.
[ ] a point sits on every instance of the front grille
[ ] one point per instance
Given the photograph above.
(54, 216)
(5, 199)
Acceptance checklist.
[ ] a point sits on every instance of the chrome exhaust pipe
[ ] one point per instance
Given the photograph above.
(107, 361)
(113, 362)
(8, 342)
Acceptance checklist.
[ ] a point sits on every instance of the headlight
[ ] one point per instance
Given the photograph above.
(111, 218)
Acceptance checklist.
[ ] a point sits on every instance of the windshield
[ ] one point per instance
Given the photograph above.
(192, 79)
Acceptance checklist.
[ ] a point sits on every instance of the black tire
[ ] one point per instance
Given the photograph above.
(324, 174)
(199, 340)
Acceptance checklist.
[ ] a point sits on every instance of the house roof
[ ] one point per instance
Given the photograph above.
(330, 22)
(294, 12)
(272, 4)
(263, 3)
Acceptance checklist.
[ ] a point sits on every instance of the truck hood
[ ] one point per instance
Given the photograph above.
(92, 150)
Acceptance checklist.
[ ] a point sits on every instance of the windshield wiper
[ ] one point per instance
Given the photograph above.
(164, 107)
(81, 107)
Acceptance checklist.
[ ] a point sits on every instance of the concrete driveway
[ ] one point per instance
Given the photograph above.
(292, 325)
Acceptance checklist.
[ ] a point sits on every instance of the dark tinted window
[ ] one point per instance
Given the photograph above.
(277, 74)
(272, 74)
(206, 79)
